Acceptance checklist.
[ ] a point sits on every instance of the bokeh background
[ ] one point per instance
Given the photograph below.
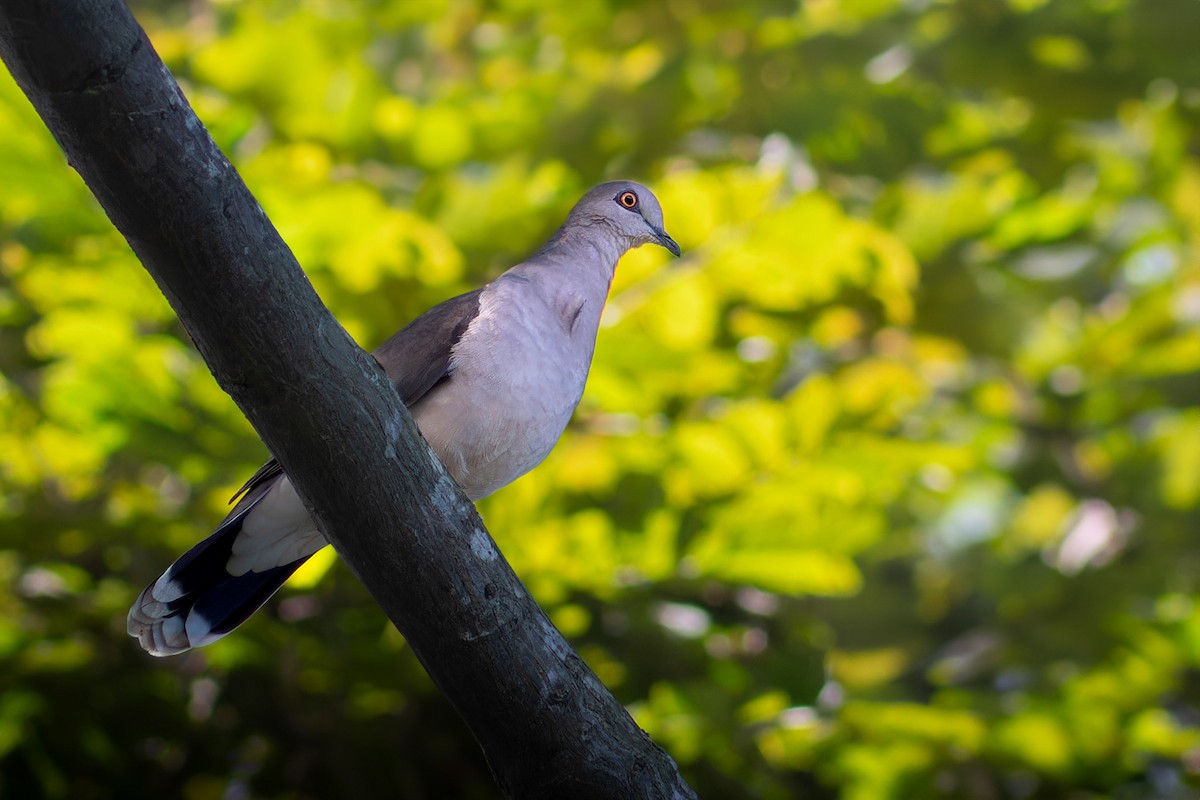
(889, 490)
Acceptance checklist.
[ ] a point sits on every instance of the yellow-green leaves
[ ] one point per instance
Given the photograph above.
(888, 487)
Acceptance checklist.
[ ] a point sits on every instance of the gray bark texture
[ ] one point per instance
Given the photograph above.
(547, 725)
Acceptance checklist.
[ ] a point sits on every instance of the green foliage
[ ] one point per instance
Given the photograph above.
(888, 490)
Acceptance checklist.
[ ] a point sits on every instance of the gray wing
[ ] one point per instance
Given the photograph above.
(416, 358)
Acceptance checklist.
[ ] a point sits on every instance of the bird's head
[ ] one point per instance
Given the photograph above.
(629, 209)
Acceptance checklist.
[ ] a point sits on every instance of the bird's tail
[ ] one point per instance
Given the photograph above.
(196, 601)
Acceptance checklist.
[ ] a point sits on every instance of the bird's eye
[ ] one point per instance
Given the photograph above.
(628, 199)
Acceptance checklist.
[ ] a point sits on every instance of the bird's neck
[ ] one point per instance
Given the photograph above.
(580, 259)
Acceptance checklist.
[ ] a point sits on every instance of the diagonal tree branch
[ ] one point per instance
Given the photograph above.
(548, 726)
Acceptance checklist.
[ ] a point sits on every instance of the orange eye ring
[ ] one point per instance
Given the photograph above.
(627, 200)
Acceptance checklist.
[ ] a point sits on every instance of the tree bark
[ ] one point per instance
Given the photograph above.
(324, 408)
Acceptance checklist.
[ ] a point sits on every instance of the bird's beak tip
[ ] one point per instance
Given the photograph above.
(669, 243)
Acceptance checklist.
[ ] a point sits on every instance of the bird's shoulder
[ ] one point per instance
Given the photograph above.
(418, 355)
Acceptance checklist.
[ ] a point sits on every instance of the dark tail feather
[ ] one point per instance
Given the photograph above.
(196, 601)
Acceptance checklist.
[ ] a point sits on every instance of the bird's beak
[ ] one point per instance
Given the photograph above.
(661, 237)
